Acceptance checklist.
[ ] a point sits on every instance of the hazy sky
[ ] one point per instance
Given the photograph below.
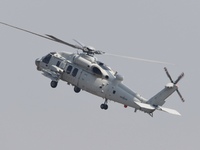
(33, 116)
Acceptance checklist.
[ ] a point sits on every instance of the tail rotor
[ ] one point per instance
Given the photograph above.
(177, 80)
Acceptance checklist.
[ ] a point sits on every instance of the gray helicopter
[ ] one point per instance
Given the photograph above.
(84, 72)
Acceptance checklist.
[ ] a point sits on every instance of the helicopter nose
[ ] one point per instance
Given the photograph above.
(37, 62)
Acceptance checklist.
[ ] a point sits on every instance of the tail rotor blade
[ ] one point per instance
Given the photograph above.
(168, 75)
(180, 95)
(179, 78)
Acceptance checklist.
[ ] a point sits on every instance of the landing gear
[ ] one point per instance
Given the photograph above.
(54, 84)
(77, 89)
(104, 105)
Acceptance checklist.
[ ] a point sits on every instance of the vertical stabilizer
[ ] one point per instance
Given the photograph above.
(159, 99)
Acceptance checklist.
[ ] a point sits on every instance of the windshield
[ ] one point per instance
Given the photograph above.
(47, 58)
(103, 66)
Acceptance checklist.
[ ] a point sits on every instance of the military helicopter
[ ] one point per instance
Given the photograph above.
(84, 72)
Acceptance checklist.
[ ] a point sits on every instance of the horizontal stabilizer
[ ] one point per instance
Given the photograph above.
(168, 110)
(145, 106)
(149, 108)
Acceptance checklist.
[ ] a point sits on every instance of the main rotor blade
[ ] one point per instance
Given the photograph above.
(81, 44)
(27, 31)
(140, 59)
(49, 37)
(170, 78)
(63, 42)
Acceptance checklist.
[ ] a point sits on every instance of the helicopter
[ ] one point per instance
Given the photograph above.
(86, 73)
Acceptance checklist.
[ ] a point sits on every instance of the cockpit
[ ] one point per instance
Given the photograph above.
(47, 58)
(103, 66)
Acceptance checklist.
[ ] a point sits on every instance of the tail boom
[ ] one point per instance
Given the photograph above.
(157, 101)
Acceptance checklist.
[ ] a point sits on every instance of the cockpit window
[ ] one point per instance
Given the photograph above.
(47, 58)
(103, 66)
(52, 53)
(97, 71)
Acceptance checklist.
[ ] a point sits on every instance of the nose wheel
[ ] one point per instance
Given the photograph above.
(104, 105)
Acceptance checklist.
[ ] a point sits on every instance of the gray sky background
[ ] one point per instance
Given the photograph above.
(35, 116)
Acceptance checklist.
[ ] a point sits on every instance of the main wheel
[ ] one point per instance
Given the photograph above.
(54, 84)
(77, 89)
(104, 106)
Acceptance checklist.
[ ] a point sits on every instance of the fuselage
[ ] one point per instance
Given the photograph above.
(85, 72)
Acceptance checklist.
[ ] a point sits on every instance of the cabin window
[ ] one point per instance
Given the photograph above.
(69, 69)
(75, 71)
(58, 64)
(97, 71)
